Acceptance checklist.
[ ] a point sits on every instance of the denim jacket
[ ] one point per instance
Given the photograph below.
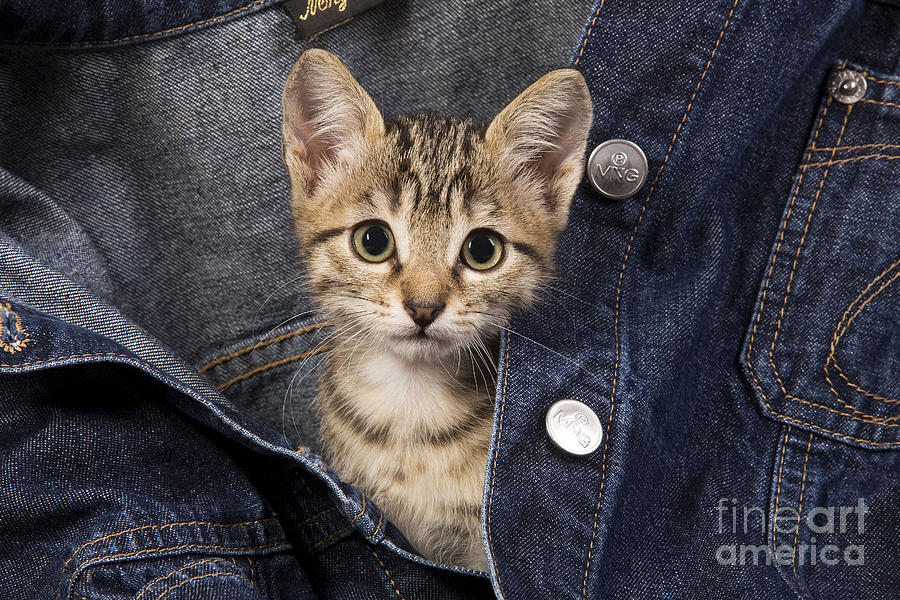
(734, 325)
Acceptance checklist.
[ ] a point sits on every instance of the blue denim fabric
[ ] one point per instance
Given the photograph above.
(734, 325)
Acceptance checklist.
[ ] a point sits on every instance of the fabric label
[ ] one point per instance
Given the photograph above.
(311, 17)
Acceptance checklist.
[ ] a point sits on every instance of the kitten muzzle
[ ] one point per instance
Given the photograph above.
(423, 314)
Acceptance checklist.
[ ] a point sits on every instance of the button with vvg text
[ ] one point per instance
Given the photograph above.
(617, 169)
(574, 427)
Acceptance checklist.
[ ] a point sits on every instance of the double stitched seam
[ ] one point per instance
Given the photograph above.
(884, 81)
(387, 573)
(250, 564)
(774, 516)
(841, 328)
(494, 468)
(146, 527)
(198, 577)
(146, 551)
(271, 365)
(854, 414)
(790, 281)
(218, 361)
(315, 516)
(612, 397)
(362, 512)
(882, 103)
(800, 512)
(91, 561)
(849, 160)
(143, 35)
(378, 526)
(589, 32)
(842, 436)
(847, 148)
(749, 356)
(178, 570)
(328, 538)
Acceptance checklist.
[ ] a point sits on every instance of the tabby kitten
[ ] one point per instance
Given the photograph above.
(421, 236)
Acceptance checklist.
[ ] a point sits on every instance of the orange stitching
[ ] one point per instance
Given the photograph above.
(494, 468)
(834, 433)
(749, 358)
(21, 343)
(378, 526)
(860, 147)
(140, 36)
(809, 216)
(242, 351)
(884, 81)
(132, 554)
(848, 160)
(315, 516)
(622, 274)
(787, 216)
(159, 528)
(860, 389)
(587, 566)
(271, 365)
(883, 421)
(800, 511)
(170, 573)
(97, 559)
(388, 573)
(837, 338)
(329, 538)
(216, 574)
(875, 420)
(891, 104)
(778, 487)
(784, 417)
(588, 35)
(362, 510)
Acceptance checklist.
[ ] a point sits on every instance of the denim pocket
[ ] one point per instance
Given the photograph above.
(823, 348)
(181, 559)
(272, 376)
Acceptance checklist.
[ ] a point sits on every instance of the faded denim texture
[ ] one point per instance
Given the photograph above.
(734, 325)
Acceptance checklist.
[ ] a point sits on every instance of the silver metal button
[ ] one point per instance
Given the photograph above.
(574, 427)
(617, 168)
(847, 87)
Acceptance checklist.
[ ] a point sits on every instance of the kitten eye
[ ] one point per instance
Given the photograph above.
(373, 241)
(482, 250)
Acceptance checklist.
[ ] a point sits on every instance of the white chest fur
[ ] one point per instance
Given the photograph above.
(415, 438)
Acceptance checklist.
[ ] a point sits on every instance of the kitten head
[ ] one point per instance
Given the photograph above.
(425, 234)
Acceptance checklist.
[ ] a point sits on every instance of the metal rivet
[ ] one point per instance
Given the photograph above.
(847, 87)
(574, 427)
(617, 168)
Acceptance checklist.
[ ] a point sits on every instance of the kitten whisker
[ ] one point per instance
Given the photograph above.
(545, 347)
(286, 283)
(545, 293)
(573, 297)
(289, 396)
(297, 316)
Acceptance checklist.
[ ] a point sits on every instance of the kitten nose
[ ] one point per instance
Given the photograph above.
(423, 314)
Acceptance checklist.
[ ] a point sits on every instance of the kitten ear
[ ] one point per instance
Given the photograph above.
(328, 117)
(541, 136)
